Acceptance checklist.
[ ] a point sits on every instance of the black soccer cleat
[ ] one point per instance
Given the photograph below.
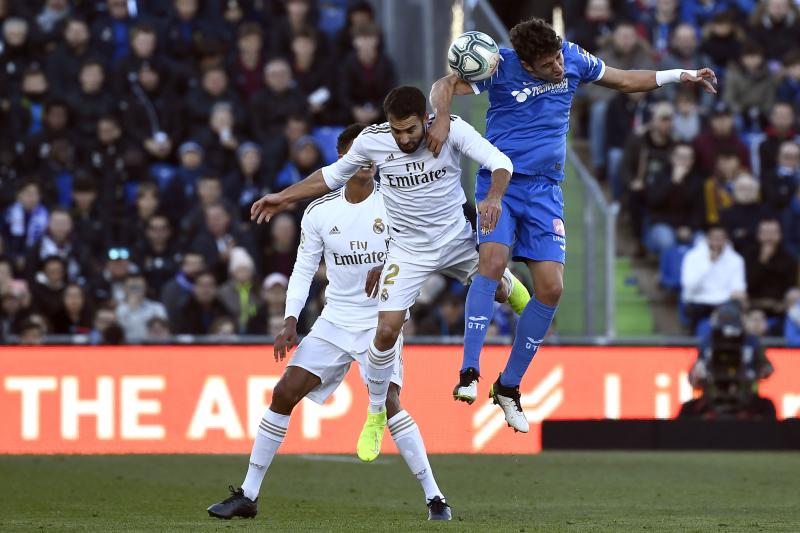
(237, 504)
(467, 388)
(508, 398)
(438, 509)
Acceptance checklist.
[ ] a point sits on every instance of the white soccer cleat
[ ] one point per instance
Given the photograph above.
(508, 400)
(467, 388)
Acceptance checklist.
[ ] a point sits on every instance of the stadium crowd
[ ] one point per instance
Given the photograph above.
(708, 184)
(134, 137)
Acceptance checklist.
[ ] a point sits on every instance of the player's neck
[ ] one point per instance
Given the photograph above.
(356, 190)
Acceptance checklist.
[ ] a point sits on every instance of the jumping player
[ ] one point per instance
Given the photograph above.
(530, 96)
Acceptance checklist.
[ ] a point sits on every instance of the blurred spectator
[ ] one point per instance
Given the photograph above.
(781, 128)
(16, 56)
(110, 30)
(214, 88)
(156, 254)
(779, 185)
(750, 87)
(220, 138)
(722, 41)
(686, 122)
(672, 194)
(217, 238)
(366, 77)
(281, 252)
(188, 35)
(64, 63)
(741, 219)
(314, 74)
(27, 109)
(273, 294)
(755, 323)
(202, 308)
(109, 284)
(37, 147)
(712, 273)
(158, 330)
(775, 26)
(771, 271)
(660, 24)
(135, 222)
(304, 158)
(720, 134)
(789, 87)
(136, 309)
(445, 319)
(359, 15)
(248, 182)
(792, 322)
(86, 217)
(699, 12)
(684, 54)
(31, 332)
(177, 291)
(14, 309)
(180, 189)
(25, 221)
(279, 98)
(74, 316)
(593, 30)
(48, 287)
(143, 45)
(59, 240)
(648, 152)
(239, 294)
(625, 51)
(209, 192)
(90, 100)
(248, 65)
(625, 116)
(718, 188)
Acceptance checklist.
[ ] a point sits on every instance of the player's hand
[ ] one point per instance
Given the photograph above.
(373, 279)
(705, 77)
(264, 209)
(489, 210)
(286, 339)
(437, 134)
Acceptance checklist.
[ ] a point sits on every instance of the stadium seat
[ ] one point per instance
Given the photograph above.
(326, 139)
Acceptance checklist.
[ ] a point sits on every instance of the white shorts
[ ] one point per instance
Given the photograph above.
(405, 271)
(327, 352)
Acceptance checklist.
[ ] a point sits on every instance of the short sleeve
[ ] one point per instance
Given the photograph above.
(590, 67)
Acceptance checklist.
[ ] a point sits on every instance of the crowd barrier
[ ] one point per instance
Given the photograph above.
(209, 399)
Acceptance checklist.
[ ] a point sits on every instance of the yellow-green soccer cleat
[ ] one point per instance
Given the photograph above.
(519, 296)
(369, 442)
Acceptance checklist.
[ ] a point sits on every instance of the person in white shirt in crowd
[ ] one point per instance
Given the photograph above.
(136, 310)
(712, 273)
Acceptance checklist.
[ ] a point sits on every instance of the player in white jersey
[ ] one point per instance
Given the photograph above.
(348, 228)
(427, 228)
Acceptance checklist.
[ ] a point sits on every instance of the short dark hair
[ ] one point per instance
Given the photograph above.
(348, 136)
(533, 39)
(752, 48)
(404, 101)
(83, 183)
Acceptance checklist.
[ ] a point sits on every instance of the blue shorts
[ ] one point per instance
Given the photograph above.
(532, 221)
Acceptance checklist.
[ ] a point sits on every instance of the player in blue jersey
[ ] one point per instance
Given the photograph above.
(530, 96)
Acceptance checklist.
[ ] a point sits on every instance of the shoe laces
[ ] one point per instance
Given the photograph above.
(437, 504)
(235, 494)
(466, 377)
(512, 393)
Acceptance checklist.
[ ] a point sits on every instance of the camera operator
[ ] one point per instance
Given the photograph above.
(729, 365)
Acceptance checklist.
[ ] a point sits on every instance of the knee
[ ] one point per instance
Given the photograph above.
(493, 266)
(549, 292)
(385, 336)
(284, 398)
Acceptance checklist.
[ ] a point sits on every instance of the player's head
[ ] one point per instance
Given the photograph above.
(345, 141)
(539, 49)
(405, 108)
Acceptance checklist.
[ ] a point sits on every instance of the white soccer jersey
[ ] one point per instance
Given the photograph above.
(352, 238)
(422, 192)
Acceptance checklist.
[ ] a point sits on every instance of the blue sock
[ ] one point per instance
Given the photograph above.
(532, 327)
(478, 313)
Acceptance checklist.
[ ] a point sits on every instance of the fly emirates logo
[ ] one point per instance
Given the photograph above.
(415, 175)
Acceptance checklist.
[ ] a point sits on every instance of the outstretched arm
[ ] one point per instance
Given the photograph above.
(272, 204)
(638, 81)
(441, 97)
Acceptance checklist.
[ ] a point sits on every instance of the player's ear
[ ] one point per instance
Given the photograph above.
(525, 65)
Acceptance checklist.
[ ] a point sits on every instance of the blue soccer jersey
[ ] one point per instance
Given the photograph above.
(528, 118)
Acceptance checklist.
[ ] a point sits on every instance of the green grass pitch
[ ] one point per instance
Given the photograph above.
(548, 492)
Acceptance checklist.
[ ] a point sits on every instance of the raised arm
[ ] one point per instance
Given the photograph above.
(272, 204)
(441, 97)
(638, 81)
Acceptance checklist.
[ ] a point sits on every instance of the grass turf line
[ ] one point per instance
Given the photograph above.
(595, 491)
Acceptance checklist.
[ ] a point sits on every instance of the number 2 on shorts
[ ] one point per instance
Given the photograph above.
(393, 271)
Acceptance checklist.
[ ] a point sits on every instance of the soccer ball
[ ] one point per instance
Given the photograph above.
(473, 56)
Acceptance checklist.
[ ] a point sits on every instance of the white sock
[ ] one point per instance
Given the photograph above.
(271, 432)
(408, 439)
(379, 371)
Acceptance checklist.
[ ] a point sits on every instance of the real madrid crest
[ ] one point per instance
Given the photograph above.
(378, 226)
(384, 294)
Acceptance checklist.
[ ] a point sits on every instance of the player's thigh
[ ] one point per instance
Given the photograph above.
(295, 383)
(401, 281)
(541, 232)
(325, 360)
(504, 232)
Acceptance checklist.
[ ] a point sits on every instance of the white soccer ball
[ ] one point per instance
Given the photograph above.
(473, 56)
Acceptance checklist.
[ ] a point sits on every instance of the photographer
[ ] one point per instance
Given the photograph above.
(729, 365)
